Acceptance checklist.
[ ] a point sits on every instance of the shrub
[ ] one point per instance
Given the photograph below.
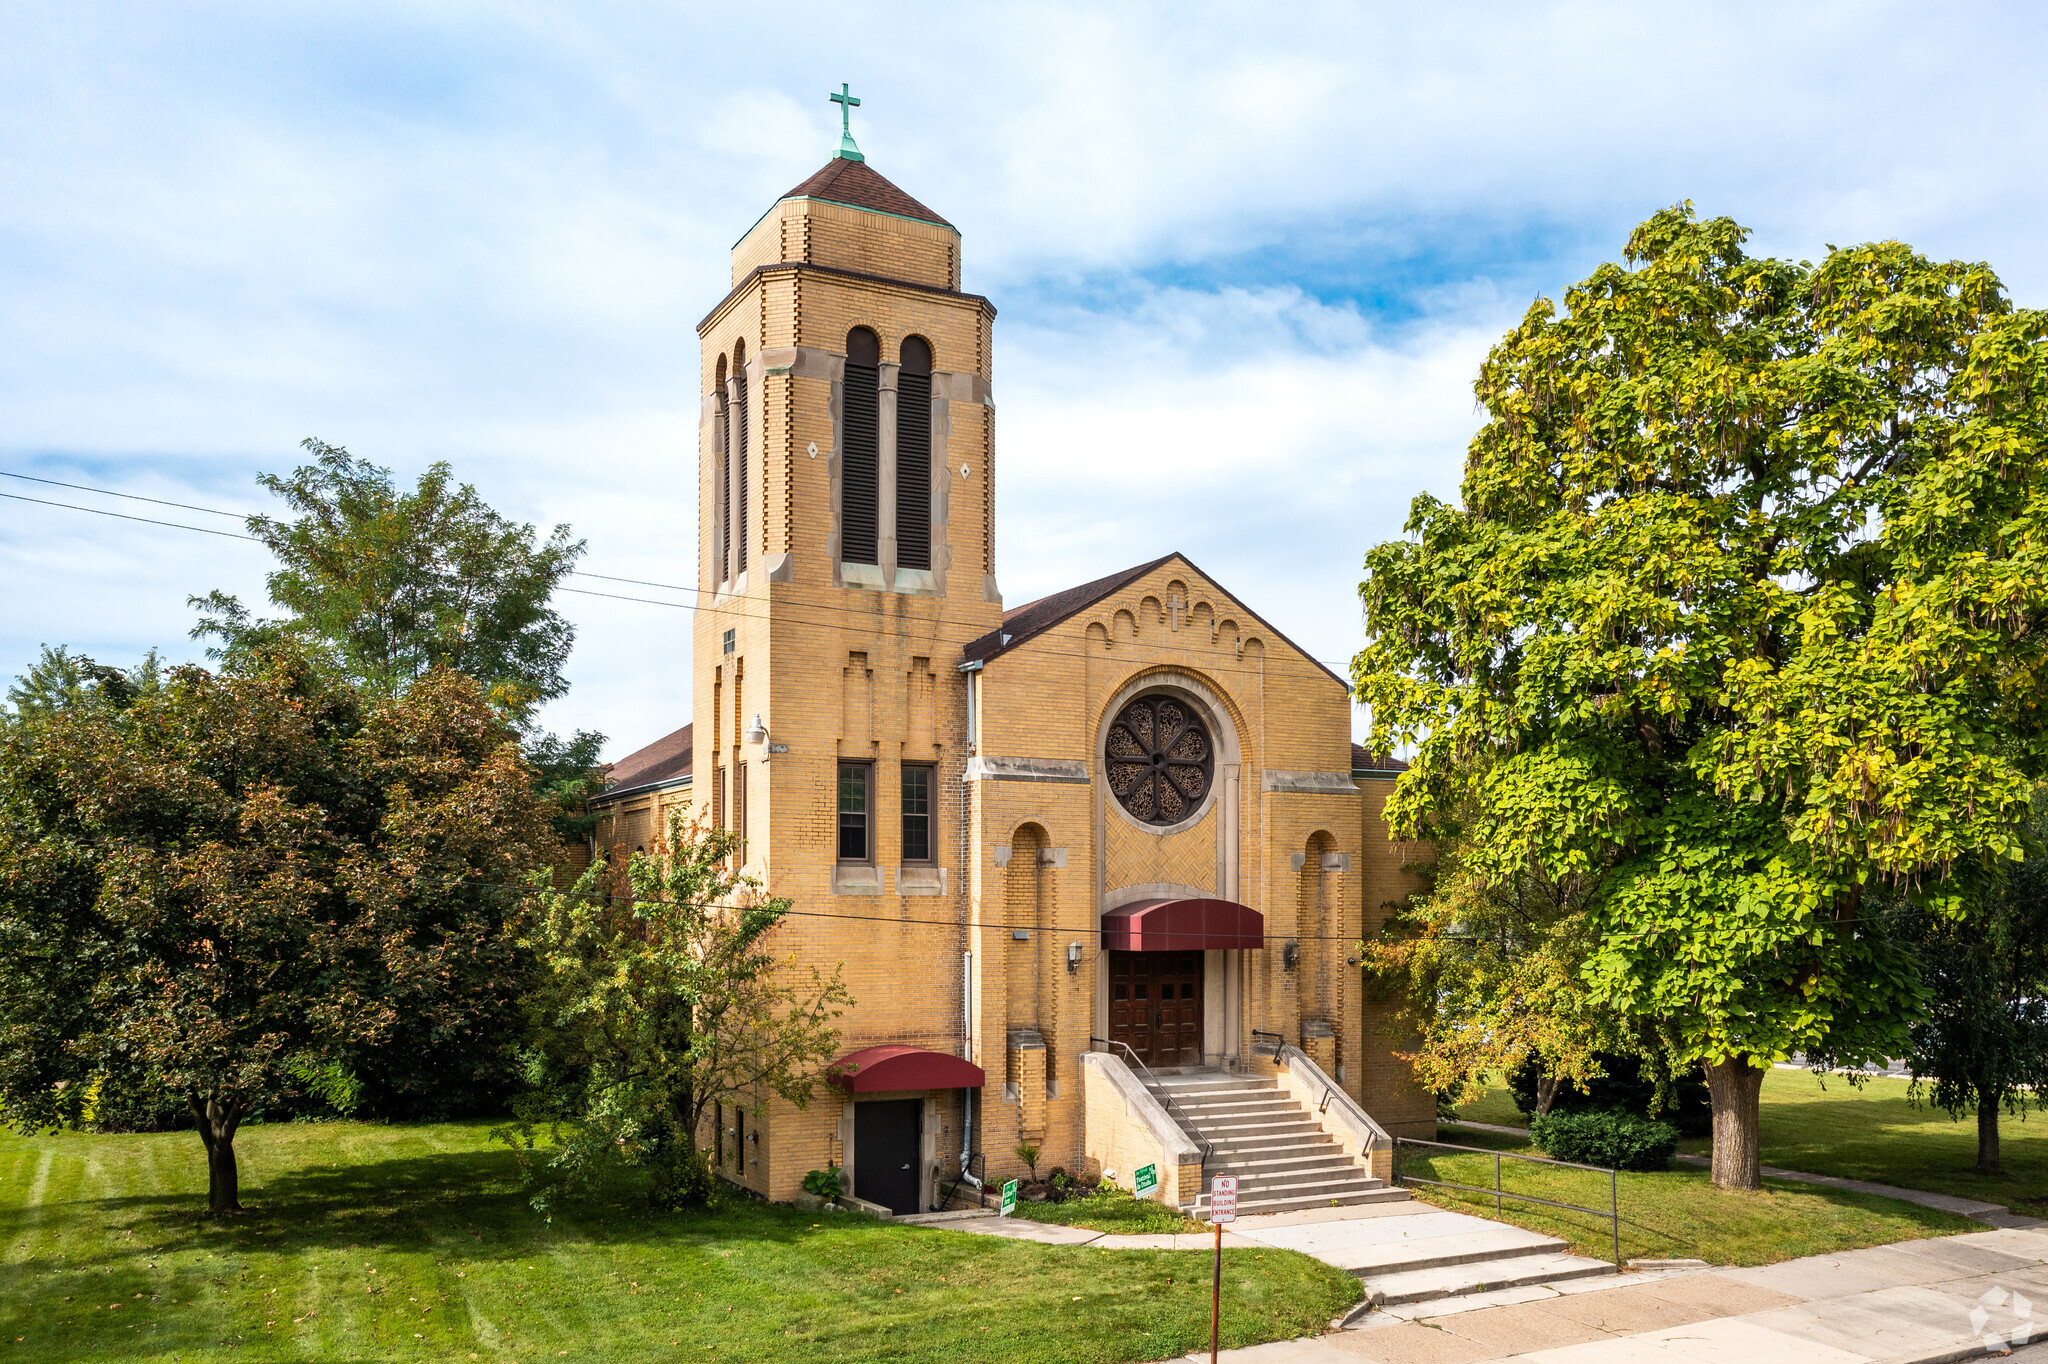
(824, 1183)
(1612, 1139)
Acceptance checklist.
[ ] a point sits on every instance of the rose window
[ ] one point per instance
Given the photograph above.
(1159, 759)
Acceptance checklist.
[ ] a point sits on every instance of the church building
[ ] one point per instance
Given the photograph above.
(1095, 867)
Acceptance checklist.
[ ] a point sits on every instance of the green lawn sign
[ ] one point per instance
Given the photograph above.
(1147, 1180)
(1009, 1198)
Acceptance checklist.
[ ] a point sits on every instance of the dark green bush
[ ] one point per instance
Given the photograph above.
(1612, 1139)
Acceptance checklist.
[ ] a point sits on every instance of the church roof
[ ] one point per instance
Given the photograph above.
(662, 762)
(1022, 623)
(1363, 760)
(1034, 618)
(859, 185)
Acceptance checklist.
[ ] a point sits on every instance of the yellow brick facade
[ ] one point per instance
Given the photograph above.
(993, 950)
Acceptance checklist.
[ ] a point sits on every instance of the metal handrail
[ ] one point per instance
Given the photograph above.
(1279, 1040)
(1374, 1133)
(1152, 1085)
(967, 1169)
(1612, 1214)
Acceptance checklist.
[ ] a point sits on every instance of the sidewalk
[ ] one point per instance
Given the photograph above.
(1245, 1232)
(1916, 1302)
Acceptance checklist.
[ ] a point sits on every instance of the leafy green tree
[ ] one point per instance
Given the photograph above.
(256, 884)
(1490, 975)
(1744, 604)
(1983, 1047)
(568, 773)
(61, 678)
(654, 1007)
(393, 585)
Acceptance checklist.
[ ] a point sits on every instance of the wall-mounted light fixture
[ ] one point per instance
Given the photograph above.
(1351, 961)
(759, 733)
(1073, 957)
(1290, 955)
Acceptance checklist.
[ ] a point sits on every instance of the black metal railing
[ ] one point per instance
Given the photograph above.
(1273, 1040)
(1159, 1091)
(1612, 1212)
(980, 1186)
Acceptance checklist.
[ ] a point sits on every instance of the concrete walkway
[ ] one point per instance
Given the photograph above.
(1916, 1302)
(1991, 1214)
(1246, 1231)
(1404, 1251)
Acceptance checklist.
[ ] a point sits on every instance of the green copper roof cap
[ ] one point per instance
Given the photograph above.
(845, 100)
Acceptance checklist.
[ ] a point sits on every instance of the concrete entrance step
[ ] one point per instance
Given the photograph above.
(1431, 1254)
(1482, 1276)
(1270, 1101)
(1250, 1207)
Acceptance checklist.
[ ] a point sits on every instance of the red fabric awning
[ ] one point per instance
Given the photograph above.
(897, 1067)
(1182, 926)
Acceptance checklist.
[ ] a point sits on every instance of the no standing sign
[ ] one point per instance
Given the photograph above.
(1223, 1198)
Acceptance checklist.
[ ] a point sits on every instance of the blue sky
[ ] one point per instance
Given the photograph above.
(1247, 259)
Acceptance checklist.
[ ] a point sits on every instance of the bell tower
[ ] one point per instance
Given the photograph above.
(845, 555)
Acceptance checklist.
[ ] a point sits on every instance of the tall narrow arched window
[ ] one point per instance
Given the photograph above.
(721, 461)
(914, 456)
(739, 460)
(860, 481)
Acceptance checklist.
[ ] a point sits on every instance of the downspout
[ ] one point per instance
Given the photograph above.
(971, 673)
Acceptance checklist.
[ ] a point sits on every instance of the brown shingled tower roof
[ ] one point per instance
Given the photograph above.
(859, 185)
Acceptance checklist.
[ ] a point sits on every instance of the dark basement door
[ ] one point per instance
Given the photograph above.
(885, 1153)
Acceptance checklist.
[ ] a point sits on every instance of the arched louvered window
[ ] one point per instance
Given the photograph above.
(914, 455)
(860, 487)
(721, 462)
(739, 460)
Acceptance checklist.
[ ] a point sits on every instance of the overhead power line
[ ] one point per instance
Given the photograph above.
(146, 520)
(733, 612)
(999, 925)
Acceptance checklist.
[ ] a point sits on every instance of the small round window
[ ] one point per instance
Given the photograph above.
(1159, 759)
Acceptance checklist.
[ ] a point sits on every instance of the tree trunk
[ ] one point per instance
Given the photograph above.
(1736, 1086)
(1987, 1130)
(1546, 1093)
(218, 1120)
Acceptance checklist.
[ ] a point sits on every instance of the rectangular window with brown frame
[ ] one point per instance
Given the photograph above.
(856, 827)
(917, 813)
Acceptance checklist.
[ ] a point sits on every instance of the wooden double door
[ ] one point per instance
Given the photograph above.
(1155, 1005)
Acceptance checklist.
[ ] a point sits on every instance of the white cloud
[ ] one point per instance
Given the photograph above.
(484, 232)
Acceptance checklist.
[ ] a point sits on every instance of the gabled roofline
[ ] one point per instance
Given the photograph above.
(836, 203)
(982, 650)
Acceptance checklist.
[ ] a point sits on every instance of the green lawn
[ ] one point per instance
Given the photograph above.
(1497, 1105)
(388, 1242)
(1676, 1214)
(1113, 1212)
(1824, 1126)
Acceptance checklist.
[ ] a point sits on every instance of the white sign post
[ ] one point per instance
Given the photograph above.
(1222, 1208)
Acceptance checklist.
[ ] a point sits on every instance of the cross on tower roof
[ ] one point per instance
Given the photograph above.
(845, 100)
